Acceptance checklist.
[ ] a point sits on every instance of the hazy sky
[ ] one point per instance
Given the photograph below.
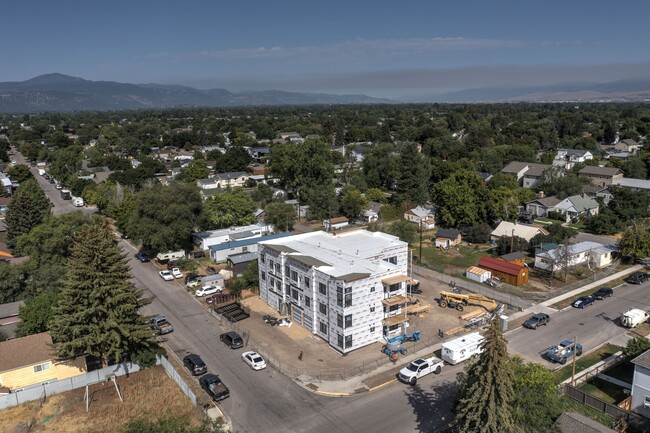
(379, 47)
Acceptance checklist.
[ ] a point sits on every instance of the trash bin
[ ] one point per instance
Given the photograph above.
(503, 322)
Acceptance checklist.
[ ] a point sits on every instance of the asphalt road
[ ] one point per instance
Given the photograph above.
(60, 205)
(266, 401)
(593, 326)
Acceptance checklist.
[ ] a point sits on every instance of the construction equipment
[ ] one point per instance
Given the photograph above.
(393, 350)
(458, 301)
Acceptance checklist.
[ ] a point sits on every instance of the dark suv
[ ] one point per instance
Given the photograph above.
(195, 364)
(536, 321)
(232, 340)
(602, 293)
(637, 278)
(143, 257)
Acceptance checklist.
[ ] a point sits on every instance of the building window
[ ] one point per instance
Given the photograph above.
(372, 289)
(277, 268)
(372, 329)
(322, 308)
(294, 276)
(339, 320)
(286, 270)
(392, 260)
(348, 321)
(339, 296)
(307, 301)
(41, 367)
(244, 249)
(646, 401)
(339, 340)
(294, 294)
(323, 328)
(322, 289)
(271, 265)
(372, 309)
(306, 282)
(348, 296)
(263, 258)
(263, 276)
(348, 341)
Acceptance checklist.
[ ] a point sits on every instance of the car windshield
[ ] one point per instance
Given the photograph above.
(258, 360)
(213, 386)
(412, 367)
(237, 340)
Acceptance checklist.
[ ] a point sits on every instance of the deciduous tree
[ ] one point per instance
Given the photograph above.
(281, 216)
(28, 209)
(36, 314)
(353, 203)
(232, 208)
(19, 173)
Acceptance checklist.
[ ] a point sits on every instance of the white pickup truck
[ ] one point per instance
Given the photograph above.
(419, 368)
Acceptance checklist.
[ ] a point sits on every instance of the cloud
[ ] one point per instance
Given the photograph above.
(353, 49)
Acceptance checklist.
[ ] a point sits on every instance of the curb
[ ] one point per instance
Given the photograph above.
(382, 385)
(333, 394)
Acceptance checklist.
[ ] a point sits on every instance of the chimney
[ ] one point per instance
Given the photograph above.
(540, 194)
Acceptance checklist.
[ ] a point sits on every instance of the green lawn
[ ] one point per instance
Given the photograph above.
(586, 361)
(605, 391)
(570, 405)
(451, 259)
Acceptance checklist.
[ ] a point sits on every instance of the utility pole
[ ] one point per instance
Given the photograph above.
(512, 241)
(573, 369)
(420, 256)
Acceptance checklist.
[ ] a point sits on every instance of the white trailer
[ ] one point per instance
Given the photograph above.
(419, 368)
(462, 348)
(170, 255)
(634, 317)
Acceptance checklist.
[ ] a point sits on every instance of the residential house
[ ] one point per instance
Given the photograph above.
(9, 318)
(204, 240)
(485, 177)
(371, 214)
(541, 206)
(510, 273)
(257, 153)
(347, 288)
(516, 257)
(29, 361)
(568, 158)
(219, 253)
(6, 183)
(629, 183)
(576, 207)
(335, 223)
(534, 176)
(238, 263)
(595, 191)
(4, 203)
(135, 163)
(446, 238)
(256, 169)
(628, 145)
(641, 384)
(602, 176)
(477, 274)
(209, 183)
(617, 154)
(590, 253)
(236, 179)
(516, 168)
(574, 422)
(506, 228)
(424, 217)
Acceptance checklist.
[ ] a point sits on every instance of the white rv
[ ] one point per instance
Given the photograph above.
(462, 348)
(170, 255)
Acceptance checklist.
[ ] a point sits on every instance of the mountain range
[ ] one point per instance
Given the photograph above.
(58, 92)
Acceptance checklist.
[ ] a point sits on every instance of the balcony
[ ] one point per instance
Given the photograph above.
(395, 320)
(395, 300)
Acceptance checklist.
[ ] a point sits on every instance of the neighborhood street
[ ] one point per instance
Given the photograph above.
(593, 326)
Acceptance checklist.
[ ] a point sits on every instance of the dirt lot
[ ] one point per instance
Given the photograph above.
(143, 393)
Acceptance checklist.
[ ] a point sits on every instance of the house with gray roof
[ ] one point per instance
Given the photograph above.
(534, 176)
(576, 207)
(602, 176)
(235, 179)
(595, 191)
(568, 158)
(635, 184)
(516, 168)
(541, 206)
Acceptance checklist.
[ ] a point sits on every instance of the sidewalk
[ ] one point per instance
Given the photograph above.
(386, 374)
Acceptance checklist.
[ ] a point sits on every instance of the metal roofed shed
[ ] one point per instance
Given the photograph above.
(508, 272)
(477, 274)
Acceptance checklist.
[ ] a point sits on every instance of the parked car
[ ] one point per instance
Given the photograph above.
(191, 277)
(563, 351)
(194, 283)
(195, 364)
(583, 301)
(254, 360)
(637, 278)
(143, 257)
(166, 275)
(161, 325)
(59, 186)
(603, 292)
(232, 340)
(177, 273)
(207, 290)
(214, 387)
(537, 320)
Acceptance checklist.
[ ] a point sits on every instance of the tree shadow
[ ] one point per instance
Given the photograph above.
(432, 406)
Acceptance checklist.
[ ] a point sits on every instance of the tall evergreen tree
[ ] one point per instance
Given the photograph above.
(28, 209)
(413, 182)
(97, 310)
(486, 391)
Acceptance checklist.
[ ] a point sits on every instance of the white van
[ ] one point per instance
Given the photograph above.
(78, 202)
(462, 348)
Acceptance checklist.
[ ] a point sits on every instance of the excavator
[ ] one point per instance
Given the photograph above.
(458, 301)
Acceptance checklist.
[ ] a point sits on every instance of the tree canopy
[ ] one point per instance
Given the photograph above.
(28, 209)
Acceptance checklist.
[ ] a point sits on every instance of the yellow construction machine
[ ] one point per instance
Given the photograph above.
(458, 301)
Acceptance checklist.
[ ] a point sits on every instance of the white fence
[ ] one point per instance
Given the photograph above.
(171, 371)
(45, 389)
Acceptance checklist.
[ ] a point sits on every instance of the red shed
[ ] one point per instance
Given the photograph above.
(511, 273)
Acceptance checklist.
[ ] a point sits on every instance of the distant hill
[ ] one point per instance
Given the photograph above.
(58, 92)
(615, 91)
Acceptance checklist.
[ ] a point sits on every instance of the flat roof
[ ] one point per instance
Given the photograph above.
(395, 300)
(395, 279)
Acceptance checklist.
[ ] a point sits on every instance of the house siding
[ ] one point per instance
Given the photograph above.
(641, 390)
(26, 376)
